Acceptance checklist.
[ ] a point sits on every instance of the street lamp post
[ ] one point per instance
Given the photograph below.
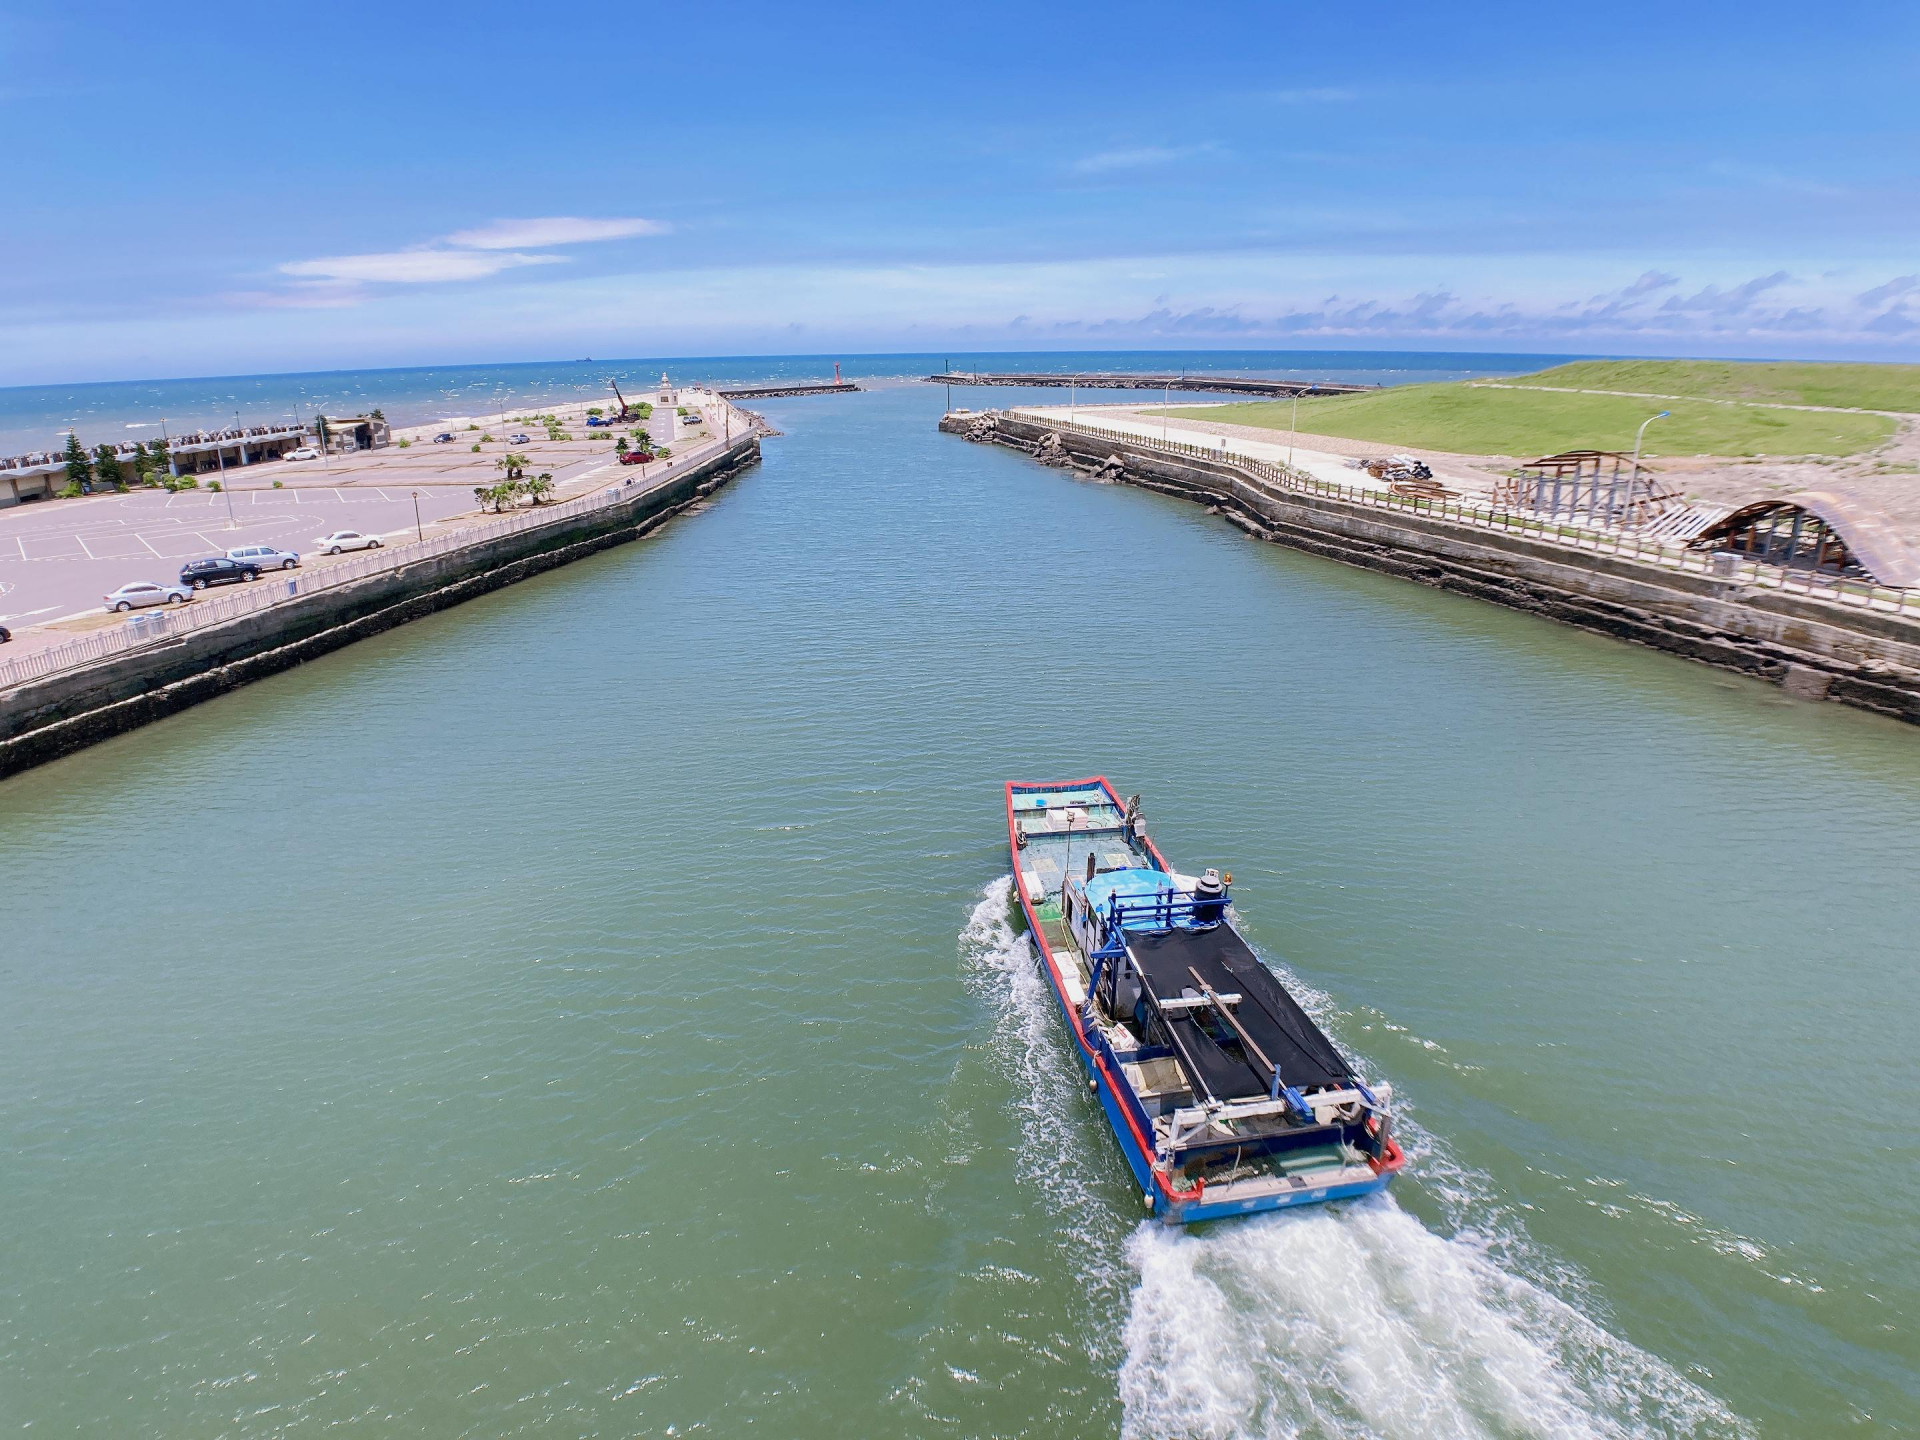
(1640, 435)
(1073, 396)
(1293, 426)
(419, 533)
(220, 454)
(1166, 404)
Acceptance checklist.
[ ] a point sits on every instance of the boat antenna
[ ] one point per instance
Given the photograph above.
(1066, 868)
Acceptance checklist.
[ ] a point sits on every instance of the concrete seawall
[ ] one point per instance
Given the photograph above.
(1814, 649)
(44, 719)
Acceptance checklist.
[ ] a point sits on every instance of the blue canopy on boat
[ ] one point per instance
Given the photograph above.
(1128, 885)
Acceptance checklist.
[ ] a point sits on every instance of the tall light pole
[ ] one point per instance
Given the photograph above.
(418, 532)
(1640, 435)
(220, 455)
(1166, 404)
(1293, 426)
(1073, 396)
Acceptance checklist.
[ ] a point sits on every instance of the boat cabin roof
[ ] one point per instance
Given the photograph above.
(1129, 884)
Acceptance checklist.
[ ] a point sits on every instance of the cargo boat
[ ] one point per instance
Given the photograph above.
(1225, 1096)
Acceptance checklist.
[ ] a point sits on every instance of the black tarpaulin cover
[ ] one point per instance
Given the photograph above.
(1266, 1011)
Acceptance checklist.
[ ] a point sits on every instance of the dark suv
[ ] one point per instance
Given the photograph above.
(217, 571)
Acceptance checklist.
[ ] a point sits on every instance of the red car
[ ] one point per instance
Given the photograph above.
(635, 457)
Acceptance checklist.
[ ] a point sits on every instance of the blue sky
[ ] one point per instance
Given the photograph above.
(223, 188)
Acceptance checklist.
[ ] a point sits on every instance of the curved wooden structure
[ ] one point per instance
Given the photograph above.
(1821, 530)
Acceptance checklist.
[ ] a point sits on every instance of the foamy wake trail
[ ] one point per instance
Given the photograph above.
(1055, 1154)
(1339, 1321)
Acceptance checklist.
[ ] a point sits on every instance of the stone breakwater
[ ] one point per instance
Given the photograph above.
(46, 718)
(1814, 649)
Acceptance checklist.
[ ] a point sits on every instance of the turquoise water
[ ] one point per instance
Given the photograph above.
(594, 1010)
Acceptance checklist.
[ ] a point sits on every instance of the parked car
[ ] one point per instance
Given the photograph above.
(518, 440)
(596, 420)
(265, 557)
(218, 570)
(305, 452)
(145, 592)
(445, 437)
(5, 634)
(634, 457)
(346, 540)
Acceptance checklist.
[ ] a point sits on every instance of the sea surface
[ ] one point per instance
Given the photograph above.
(595, 1010)
(37, 417)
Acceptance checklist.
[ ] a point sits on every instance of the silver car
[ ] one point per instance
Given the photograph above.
(265, 557)
(145, 592)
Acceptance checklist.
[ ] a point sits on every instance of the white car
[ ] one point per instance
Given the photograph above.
(305, 452)
(265, 557)
(145, 592)
(346, 540)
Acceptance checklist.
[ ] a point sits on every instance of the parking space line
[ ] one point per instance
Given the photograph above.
(149, 544)
(82, 541)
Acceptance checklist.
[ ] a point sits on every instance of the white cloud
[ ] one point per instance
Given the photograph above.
(413, 267)
(1325, 95)
(552, 230)
(1142, 158)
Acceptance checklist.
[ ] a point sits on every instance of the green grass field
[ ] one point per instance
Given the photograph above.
(1471, 420)
(1785, 382)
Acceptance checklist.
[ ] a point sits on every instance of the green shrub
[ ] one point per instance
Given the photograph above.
(279, 484)
(476, 449)
(405, 443)
(214, 485)
(70, 490)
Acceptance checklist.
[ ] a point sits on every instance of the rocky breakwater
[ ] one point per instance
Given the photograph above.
(1811, 647)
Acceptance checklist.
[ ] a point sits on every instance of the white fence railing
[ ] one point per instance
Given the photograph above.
(148, 627)
(1854, 592)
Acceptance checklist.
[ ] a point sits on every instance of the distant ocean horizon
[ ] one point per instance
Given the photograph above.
(38, 417)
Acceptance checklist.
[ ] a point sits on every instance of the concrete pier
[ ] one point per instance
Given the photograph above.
(1809, 647)
(43, 719)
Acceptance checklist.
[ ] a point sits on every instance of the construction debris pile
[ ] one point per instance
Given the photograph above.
(1405, 475)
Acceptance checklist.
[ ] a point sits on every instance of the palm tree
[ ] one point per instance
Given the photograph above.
(541, 484)
(511, 463)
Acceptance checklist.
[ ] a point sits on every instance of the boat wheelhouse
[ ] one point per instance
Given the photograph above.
(1225, 1096)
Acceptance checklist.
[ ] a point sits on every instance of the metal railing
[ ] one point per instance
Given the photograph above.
(144, 628)
(1850, 591)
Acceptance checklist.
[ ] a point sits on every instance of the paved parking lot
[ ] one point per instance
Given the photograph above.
(58, 558)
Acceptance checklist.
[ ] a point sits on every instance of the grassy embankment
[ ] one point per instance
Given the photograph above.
(1779, 382)
(1469, 419)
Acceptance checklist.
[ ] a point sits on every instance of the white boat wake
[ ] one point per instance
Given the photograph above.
(1340, 1321)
